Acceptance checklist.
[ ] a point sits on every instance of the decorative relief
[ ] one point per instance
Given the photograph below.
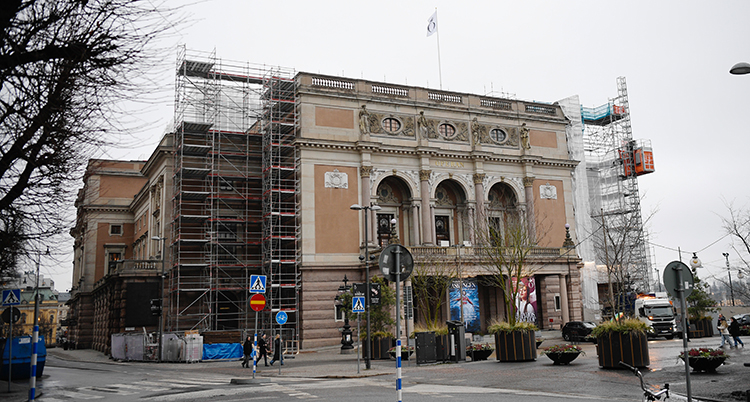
(427, 127)
(528, 181)
(385, 195)
(517, 181)
(441, 197)
(336, 179)
(365, 171)
(481, 134)
(424, 174)
(467, 180)
(406, 129)
(548, 192)
(478, 178)
(461, 134)
(374, 176)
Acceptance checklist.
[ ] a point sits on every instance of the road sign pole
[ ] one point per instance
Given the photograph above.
(359, 339)
(10, 351)
(398, 322)
(255, 345)
(685, 328)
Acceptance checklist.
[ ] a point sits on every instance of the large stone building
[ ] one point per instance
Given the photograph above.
(258, 177)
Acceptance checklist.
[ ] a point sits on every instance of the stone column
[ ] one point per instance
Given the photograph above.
(564, 299)
(479, 193)
(528, 186)
(364, 174)
(415, 241)
(428, 236)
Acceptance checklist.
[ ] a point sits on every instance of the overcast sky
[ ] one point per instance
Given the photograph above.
(675, 56)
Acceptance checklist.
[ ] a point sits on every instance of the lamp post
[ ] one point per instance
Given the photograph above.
(731, 289)
(346, 333)
(161, 291)
(460, 284)
(35, 337)
(367, 209)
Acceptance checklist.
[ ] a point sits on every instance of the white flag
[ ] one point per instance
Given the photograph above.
(432, 24)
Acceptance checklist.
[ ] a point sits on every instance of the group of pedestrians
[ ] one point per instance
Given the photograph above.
(729, 330)
(263, 350)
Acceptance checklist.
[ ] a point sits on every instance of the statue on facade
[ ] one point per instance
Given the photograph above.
(364, 120)
(525, 137)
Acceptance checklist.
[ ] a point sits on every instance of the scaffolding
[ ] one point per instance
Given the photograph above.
(614, 199)
(219, 200)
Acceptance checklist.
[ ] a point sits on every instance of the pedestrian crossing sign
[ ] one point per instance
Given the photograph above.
(257, 284)
(11, 297)
(358, 304)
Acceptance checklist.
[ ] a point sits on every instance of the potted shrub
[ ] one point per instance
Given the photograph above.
(700, 305)
(382, 341)
(622, 340)
(705, 359)
(514, 342)
(381, 322)
(479, 351)
(430, 343)
(563, 354)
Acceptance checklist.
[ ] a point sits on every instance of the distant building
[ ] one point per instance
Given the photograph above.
(48, 307)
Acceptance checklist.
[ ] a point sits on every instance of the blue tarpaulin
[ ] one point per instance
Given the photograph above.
(222, 351)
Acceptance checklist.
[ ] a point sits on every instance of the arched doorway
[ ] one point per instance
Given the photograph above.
(451, 218)
(502, 211)
(395, 199)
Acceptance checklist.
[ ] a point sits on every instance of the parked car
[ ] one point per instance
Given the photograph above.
(578, 331)
(743, 319)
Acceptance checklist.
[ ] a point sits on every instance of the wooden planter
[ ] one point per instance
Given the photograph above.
(516, 346)
(562, 358)
(426, 347)
(630, 348)
(442, 348)
(703, 328)
(380, 348)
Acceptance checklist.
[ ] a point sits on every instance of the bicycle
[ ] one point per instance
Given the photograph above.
(648, 394)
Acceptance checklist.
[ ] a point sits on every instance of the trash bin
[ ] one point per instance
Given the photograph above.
(425, 342)
(456, 341)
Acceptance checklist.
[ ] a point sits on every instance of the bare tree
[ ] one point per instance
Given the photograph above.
(431, 279)
(64, 67)
(737, 226)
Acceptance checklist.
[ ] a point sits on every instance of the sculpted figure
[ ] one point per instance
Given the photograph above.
(364, 120)
(525, 137)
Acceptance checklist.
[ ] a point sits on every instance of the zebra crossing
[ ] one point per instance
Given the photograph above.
(127, 391)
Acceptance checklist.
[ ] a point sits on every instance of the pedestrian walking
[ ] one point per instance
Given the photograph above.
(277, 352)
(247, 351)
(734, 330)
(724, 331)
(263, 349)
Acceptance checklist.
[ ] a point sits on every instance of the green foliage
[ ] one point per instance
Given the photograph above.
(437, 329)
(431, 280)
(507, 327)
(699, 302)
(380, 315)
(628, 325)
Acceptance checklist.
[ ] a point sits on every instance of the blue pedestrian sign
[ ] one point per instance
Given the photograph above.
(358, 304)
(11, 297)
(257, 284)
(281, 318)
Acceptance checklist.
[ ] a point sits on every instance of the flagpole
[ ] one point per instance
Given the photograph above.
(440, 69)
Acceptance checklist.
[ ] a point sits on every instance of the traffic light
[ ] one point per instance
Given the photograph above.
(156, 307)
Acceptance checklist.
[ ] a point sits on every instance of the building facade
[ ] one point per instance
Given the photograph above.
(258, 177)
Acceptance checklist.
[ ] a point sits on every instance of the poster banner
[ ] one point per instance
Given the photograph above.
(525, 299)
(470, 302)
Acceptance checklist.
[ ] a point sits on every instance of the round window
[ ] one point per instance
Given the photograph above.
(391, 125)
(446, 130)
(498, 135)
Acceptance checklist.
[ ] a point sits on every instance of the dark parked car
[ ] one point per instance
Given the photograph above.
(578, 331)
(743, 319)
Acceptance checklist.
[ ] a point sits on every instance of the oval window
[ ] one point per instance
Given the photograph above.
(498, 135)
(446, 130)
(391, 125)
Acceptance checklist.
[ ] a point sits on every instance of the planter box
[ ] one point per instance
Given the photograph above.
(426, 347)
(626, 347)
(477, 355)
(515, 346)
(703, 328)
(380, 348)
(442, 348)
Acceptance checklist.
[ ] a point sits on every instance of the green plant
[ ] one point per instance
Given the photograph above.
(404, 348)
(380, 314)
(438, 330)
(699, 301)
(705, 353)
(567, 348)
(376, 335)
(506, 327)
(478, 347)
(628, 325)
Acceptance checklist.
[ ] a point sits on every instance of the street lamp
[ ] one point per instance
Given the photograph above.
(367, 209)
(731, 289)
(740, 68)
(346, 333)
(161, 290)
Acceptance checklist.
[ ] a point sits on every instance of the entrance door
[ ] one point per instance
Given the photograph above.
(442, 229)
(384, 229)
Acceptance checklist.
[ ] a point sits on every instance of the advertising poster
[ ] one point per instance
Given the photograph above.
(469, 301)
(525, 299)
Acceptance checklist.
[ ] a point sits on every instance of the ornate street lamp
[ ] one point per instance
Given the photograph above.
(367, 209)
(347, 342)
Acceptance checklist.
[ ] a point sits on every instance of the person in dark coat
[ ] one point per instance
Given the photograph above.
(277, 352)
(263, 349)
(247, 351)
(734, 330)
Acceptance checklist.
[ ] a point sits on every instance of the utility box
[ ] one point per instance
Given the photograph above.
(426, 352)
(456, 341)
